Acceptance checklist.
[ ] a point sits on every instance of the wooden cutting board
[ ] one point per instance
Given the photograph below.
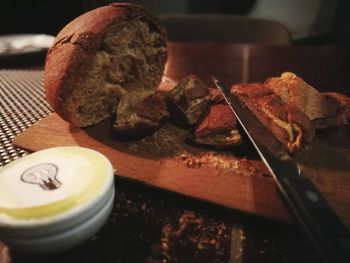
(252, 194)
(206, 177)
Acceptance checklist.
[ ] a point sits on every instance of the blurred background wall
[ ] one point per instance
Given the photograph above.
(316, 21)
(311, 22)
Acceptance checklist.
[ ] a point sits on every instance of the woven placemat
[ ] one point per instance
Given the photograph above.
(22, 103)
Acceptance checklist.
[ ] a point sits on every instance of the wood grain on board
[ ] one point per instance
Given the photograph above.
(251, 194)
(326, 162)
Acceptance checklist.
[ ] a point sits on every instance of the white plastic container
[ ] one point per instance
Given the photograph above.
(54, 199)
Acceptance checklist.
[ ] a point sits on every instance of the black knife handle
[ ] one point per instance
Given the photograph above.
(322, 225)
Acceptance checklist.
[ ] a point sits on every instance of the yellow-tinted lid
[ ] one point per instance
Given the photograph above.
(52, 182)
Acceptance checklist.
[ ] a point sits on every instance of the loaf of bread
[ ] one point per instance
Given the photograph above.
(100, 56)
(292, 110)
(286, 122)
(324, 110)
(295, 91)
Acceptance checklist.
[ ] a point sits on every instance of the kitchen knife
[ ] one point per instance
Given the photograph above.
(302, 199)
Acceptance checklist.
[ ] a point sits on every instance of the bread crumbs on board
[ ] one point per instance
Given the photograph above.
(171, 141)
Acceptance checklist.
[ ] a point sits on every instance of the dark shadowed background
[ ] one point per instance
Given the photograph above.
(312, 23)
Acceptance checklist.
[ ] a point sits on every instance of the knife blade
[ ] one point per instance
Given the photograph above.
(305, 203)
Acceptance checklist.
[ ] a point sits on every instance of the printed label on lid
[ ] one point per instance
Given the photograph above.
(52, 176)
(43, 175)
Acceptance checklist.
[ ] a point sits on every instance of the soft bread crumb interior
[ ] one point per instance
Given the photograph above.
(129, 58)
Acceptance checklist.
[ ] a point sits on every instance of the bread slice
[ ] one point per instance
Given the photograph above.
(139, 114)
(290, 126)
(338, 111)
(295, 91)
(101, 55)
(188, 101)
(324, 110)
(218, 128)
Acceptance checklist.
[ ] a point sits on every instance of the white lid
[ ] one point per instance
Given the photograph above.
(53, 184)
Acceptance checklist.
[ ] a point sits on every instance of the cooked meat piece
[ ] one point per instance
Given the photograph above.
(188, 101)
(218, 128)
(140, 114)
(286, 122)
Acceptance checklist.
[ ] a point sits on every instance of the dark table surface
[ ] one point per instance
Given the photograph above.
(147, 225)
(151, 225)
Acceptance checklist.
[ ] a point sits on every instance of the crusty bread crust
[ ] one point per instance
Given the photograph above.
(324, 110)
(286, 122)
(342, 101)
(218, 128)
(69, 58)
(295, 91)
(338, 111)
